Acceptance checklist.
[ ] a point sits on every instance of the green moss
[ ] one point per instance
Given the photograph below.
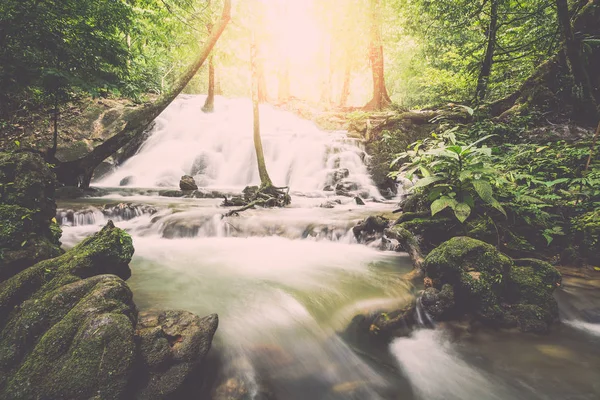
(493, 288)
(16, 225)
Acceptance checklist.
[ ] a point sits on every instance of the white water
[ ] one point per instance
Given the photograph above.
(218, 150)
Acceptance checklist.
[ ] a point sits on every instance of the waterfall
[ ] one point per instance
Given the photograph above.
(218, 150)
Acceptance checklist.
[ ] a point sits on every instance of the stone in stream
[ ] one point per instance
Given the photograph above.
(493, 288)
(370, 229)
(187, 183)
(172, 346)
(128, 180)
(359, 201)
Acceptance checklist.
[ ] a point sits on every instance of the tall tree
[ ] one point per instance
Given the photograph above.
(209, 104)
(575, 60)
(381, 98)
(265, 180)
(488, 59)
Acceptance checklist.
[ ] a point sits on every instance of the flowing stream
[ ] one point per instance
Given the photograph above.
(287, 282)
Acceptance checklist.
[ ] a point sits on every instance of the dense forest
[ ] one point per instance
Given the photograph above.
(332, 136)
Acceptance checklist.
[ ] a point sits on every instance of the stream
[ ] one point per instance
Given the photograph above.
(287, 282)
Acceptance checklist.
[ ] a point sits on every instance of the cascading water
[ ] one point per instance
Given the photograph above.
(218, 150)
(286, 281)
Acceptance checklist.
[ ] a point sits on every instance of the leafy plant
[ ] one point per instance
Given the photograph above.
(451, 174)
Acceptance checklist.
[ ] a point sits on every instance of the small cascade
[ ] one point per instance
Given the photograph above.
(97, 216)
(424, 320)
(217, 149)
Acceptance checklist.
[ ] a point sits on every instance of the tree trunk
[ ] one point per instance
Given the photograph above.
(79, 172)
(209, 104)
(574, 51)
(346, 84)
(488, 59)
(283, 91)
(380, 99)
(262, 82)
(265, 180)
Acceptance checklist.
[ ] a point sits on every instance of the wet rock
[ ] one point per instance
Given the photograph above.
(345, 187)
(331, 203)
(328, 188)
(235, 201)
(67, 326)
(334, 177)
(128, 180)
(27, 207)
(438, 304)
(187, 183)
(172, 346)
(359, 201)
(370, 229)
(490, 286)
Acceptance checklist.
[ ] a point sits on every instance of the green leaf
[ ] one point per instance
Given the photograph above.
(17, 143)
(441, 204)
(428, 180)
(436, 192)
(484, 190)
(462, 211)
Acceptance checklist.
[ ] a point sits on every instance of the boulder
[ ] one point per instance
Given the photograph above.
(345, 187)
(28, 233)
(490, 286)
(359, 201)
(172, 346)
(67, 327)
(187, 183)
(69, 330)
(370, 229)
(128, 180)
(438, 304)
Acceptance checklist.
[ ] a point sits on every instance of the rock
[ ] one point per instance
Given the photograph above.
(187, 183)
(345, 187)
(490, 286)
(359, 201)
(67, 327)
(127, 211)
(334, 177)
(172, 346)
(370, 229)
(328, 188)
(128, 180)
(439, 304)
(331, 203)
(28, 233)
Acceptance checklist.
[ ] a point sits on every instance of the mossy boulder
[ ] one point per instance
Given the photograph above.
(439, 304)
(28, 233)
(67, 328)
(490, 286)
(173, 345)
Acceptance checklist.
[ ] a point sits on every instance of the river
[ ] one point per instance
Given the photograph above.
(287, 282)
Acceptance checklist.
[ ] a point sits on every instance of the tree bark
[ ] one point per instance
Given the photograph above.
(381, 98)
(265, 180)
(488, 60)
(209, 104)
(575, 60)
(346, 84)
(79, 172)
(283, 91)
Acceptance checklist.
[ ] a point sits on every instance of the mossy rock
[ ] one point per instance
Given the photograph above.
(67, 328)
(439, 304)
(431, 230)
(492, 287)
(27, 208)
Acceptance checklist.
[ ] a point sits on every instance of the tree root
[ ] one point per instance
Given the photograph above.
(266, 196)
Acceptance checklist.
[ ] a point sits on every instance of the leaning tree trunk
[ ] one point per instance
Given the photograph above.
(488, 59)
(575, 60)
(209, 104)
(380, 99)
(265, 180)
(79, 172)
